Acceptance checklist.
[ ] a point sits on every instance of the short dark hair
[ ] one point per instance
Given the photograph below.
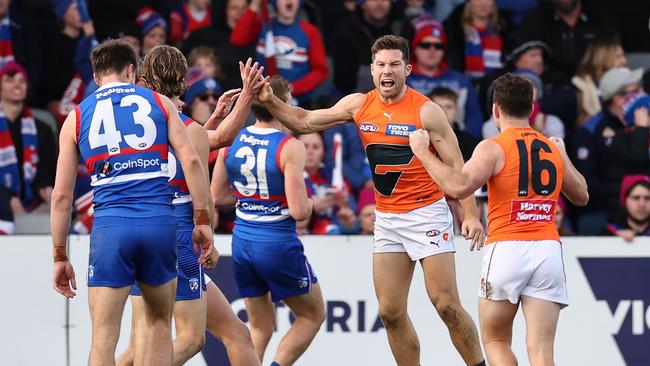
(391, 42)
(163, 70)
(442, 92)
(113, 55)
(514, 95)
(281, 89)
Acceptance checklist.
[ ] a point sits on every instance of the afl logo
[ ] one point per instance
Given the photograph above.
(368, 127)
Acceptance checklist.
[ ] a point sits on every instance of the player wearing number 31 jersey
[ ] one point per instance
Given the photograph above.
(413, 222)
(122, 133)
(525, 172)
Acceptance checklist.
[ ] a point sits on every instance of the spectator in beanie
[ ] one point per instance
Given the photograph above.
(201, 95)
(366, 211)
(188, 17)
(154, 28)
(634, 218)
(431, 70)
(560, 215)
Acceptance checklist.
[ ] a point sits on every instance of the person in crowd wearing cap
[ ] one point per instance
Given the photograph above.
(567, 27)
(226, 15)
(154, 28)
(188, 17)
(296, 47)
(601, 55)
(476, 30)
(353, 39)
(431, 70)
(560, 215)
(548, 124)
(333, 207)
(518, 54)
(201, 95)
(590, 148)
(634, 216)
(21, 42)
(60, 51)
(366, 211)
(29, 158)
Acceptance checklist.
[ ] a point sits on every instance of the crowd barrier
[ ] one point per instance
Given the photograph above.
(607, 322)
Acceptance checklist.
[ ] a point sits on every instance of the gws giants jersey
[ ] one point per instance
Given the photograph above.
(253, 164)
(122, 136)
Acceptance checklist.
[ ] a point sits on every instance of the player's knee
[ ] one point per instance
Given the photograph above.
(391, 315)
(316, 315)
(448, 310)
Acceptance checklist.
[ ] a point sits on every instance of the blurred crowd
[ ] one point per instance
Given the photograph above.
(578, 54)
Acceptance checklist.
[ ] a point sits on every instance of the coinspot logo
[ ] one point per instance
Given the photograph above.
(623, 284)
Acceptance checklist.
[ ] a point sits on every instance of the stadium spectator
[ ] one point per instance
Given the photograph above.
(131, 34)
(226, 14)
(188, 17)
(366, 211)
(21, 42)
(27, 164)
(601, 55)
(201, 95)
(591, 145)
(560, 222)
(297, 50)
(634, 217)
(547, 124)
(353, 39)
(206, 59)
(356, 169)
(333, 207)
(154, 28)
(447, 100)
(476, 30)
(431, 70)
(567, 27)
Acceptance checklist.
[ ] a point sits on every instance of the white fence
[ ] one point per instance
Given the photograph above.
(607, 323)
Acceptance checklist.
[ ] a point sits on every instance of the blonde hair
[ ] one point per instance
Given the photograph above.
(466, 19)
(163, 70)
(598, 58)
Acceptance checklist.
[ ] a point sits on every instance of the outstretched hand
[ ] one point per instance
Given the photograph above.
(252, 77)
(225, 103)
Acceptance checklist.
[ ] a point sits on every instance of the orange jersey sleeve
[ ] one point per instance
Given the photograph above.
(401, 182)
(522, 198)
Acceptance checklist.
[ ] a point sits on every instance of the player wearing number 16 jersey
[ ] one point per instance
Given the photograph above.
(413, 222)
(525, 172)
(122, 132)
(264, 166)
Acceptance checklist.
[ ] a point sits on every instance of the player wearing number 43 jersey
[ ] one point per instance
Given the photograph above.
(413, 222)
(122, 132)
(525, 172)
(264, 166)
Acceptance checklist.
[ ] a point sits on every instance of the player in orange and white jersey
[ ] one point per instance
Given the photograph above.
(413, 222)
(525, 172)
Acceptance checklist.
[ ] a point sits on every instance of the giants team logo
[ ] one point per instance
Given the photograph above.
(368, 127)
(623, 284)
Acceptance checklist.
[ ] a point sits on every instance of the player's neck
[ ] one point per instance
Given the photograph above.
(12, 109)
(507, 123)
(394, 99)
(112, 78)
(271, 124)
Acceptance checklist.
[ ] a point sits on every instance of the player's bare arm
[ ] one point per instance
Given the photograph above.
(444, 140)
(574, 185)
(292, 160)
(64, 281)
(252, 82)
(303, 121)
(180, 140)
(224, 105)
(220, 189)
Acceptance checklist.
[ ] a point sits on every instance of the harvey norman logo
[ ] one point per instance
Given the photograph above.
(623, 284)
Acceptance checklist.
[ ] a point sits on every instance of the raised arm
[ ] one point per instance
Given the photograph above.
(199, 138)
(220, 189)
(64, 279)
(292, 161)
(303, 121)
(574, 185)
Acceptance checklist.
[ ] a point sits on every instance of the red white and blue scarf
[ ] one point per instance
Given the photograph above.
(6, 47)
(9, 172)
(482, 52)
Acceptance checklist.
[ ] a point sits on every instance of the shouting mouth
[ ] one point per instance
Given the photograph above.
(387, 83)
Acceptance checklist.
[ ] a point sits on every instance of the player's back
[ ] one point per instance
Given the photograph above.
(183, 208)
(401, 182)
(122, 137)
(523, 196)
(254, 171)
